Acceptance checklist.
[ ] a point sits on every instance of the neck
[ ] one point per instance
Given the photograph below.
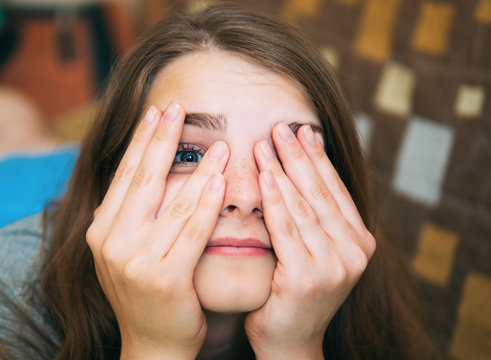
(225, 336)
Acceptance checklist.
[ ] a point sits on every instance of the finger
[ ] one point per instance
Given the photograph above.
(147, 185)
(213, 161)
(298, 209)
(306, 178)
(315, 151)
(174, 217)
(126, 169)
(181, 252)
(319, 159)
(344, 260)
(283, 231)
(327, 215)
(189, 246)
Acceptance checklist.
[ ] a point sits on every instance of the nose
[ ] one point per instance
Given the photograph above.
(242, 195)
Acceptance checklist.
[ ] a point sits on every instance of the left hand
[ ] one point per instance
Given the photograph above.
(319, 238)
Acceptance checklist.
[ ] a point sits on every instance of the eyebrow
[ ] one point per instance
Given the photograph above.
(218, 122)
(209, 121)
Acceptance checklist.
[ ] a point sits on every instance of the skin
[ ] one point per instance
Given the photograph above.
(149, 234)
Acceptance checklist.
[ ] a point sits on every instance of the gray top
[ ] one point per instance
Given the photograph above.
(20, 261)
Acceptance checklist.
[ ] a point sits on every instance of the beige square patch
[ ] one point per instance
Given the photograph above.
(295, 9)
(483, 11)
(436, 250)
(433, 28)
(74, 125)
(374, 38)
(196, 6)
(472, 336)
(349, 2)
(470, 101)
(331, 55)
(394, 93)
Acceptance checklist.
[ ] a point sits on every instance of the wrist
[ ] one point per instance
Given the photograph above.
(289, 352)
(287, 356)
(135, 352)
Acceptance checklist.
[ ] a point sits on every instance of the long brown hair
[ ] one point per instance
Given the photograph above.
(374, 322)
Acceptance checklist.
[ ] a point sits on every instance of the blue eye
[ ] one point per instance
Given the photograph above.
(187, 156)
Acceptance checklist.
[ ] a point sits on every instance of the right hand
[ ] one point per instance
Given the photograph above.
(144, 262)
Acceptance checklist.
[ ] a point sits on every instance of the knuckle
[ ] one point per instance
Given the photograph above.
(92, 235)
(303, 209)
(141, 178)
(123, 169)
(132, 270)
(274, 198)
(193, 232)
(180, 208)
(338, 274)
(372, 244)
(164, 285)
(96, 212)
(109, 254)
(321, 191)
(161, 134)
(290, 229)
(359, 260)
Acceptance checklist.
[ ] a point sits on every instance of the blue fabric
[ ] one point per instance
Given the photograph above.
(29, 181)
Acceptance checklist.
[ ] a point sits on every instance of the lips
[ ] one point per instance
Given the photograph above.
(229, 246)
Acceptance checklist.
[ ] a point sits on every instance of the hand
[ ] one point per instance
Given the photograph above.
(319, 238)
(145, 263)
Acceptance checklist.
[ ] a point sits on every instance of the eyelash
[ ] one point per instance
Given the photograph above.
(182, 147)
(186, 147)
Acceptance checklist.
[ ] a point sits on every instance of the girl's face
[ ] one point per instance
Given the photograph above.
(231, 99)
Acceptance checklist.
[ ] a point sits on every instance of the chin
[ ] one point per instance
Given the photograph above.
(233, 284)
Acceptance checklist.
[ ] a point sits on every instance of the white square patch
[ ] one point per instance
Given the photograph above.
(422, 160)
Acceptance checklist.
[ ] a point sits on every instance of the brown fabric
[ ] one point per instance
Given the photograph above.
(449, 58)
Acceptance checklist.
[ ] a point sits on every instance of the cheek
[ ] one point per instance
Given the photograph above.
(174, 183)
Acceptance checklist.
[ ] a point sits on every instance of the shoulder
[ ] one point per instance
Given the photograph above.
(25, 327)
(20, 251)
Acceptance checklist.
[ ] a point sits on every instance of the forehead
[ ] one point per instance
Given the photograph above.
(245, 93)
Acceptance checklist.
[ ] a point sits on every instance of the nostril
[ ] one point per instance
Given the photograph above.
(258, 212)
(229, 209)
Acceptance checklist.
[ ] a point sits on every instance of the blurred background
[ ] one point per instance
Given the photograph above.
(418, 76)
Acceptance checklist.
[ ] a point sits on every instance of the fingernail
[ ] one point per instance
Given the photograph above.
(266, 150)
(268, 178)
(309, 135)
(150, 115)
(285, 133)
(217, 151)
(216, 182)
(171, 112)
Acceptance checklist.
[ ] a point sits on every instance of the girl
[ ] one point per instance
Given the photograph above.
(219, 209)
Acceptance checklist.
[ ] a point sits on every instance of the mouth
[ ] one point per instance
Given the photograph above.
(229, 246)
